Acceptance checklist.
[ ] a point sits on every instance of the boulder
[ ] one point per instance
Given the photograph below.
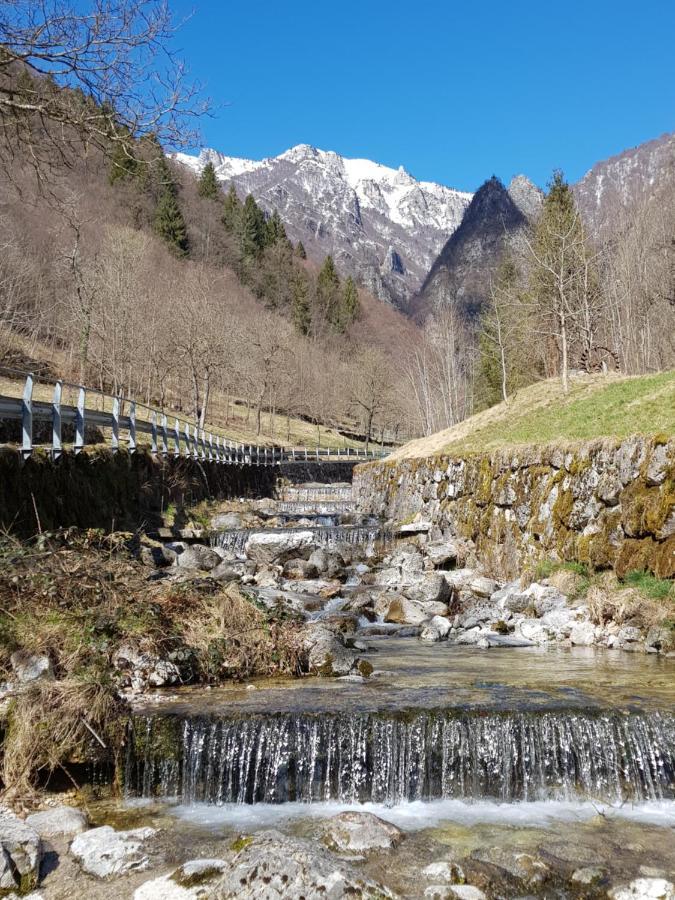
(544, 598)
(105, 853)
(327, 654)
(532, 630)
(267, 547)
(629, 633)
(273, 866)
(300, 569)
(194, 880)
(583, 634)
(482, 587)
(359, 832)
(230, 571)
(660, 638)
(31, 666)
(199, 557)
(329, 563)
(644, 889)
(431, 589)
(157, 556)
(452, 891)
(442, 553)
(421, 527)
(403, 611)
(444, 872)
(436, 629)
(58, 820)
(21, 853)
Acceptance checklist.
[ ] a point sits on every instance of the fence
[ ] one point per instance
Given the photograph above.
(169, 435)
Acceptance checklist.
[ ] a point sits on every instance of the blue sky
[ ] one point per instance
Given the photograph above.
(452, 91)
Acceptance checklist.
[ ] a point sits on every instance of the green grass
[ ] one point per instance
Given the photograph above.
(596, 406)
(651, 586)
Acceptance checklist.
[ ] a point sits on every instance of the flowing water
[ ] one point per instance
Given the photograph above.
(328, 536)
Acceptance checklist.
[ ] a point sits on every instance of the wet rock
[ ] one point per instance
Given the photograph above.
(451, 892)
(327, 653)
(300, 569)
(436, 629)
(141, 670)
(589, 875)
(270, 547)
(629, 633)
(526, 868)
(532, 630)
(194, 880)
(199, 557)
(105, 853)
(58, 820)
(20, 853)
(272, 866)
(660, 638)
(507, 640)
(360, 832)
(644, 889)
(31, 666)
(444, 872)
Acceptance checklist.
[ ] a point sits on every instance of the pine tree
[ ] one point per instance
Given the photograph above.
(231, 211)
(208, 183)
(275, 231)
(350, 303)
(123, 164)
(253, 229)
(170, 224)
(302, 314)
(300, 251)
(563, 285)
(327, 291)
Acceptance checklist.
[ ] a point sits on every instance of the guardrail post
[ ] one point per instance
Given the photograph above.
(57, 446)
(218, 459)
(210, 447)
(27, 417)
(115, 439)
(132, 427)
(186, 432)
(79, 421)
(176, 439)
(153, 439)
(165, 436)
(195, 442)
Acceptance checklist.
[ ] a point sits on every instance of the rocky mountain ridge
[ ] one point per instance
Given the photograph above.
(380, 224)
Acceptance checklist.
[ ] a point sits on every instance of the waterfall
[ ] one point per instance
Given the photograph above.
(324, 536)
(317, 493)
(392, 758)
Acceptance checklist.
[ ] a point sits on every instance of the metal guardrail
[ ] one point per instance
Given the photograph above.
(178, 438)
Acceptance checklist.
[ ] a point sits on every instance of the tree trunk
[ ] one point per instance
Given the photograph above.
(564, 372)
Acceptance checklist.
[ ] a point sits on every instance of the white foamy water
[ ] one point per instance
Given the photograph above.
(417, 815)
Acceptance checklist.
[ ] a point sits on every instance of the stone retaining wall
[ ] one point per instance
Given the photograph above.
(607, 504)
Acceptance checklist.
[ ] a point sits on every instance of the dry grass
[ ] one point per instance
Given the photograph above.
(78, 598)
(596, 406)
(608, 600)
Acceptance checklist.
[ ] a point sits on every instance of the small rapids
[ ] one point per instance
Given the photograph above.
(324, 536)
(315, 508)
(316, 493)
(397, 758)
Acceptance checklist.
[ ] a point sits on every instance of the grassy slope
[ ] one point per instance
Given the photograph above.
(597, 406)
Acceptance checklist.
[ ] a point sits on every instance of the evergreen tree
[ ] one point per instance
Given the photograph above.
(350, 303)
(300, 251)
(123, 164)
(328, 291)
(563, 284)
(231, 211)
(208, 183)
(302, 314)
(169, 222)
(253, 231)
(275, 231)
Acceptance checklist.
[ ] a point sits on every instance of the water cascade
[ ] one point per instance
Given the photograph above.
(324, 536)
(392, 758)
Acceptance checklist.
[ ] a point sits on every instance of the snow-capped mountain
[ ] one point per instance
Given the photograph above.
(380, 224)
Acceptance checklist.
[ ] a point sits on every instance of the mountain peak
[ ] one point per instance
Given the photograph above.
(380, 224)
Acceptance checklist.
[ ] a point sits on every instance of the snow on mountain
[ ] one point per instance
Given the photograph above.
(380, 224)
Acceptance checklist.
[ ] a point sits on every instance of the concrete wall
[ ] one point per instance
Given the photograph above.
(608, 504)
